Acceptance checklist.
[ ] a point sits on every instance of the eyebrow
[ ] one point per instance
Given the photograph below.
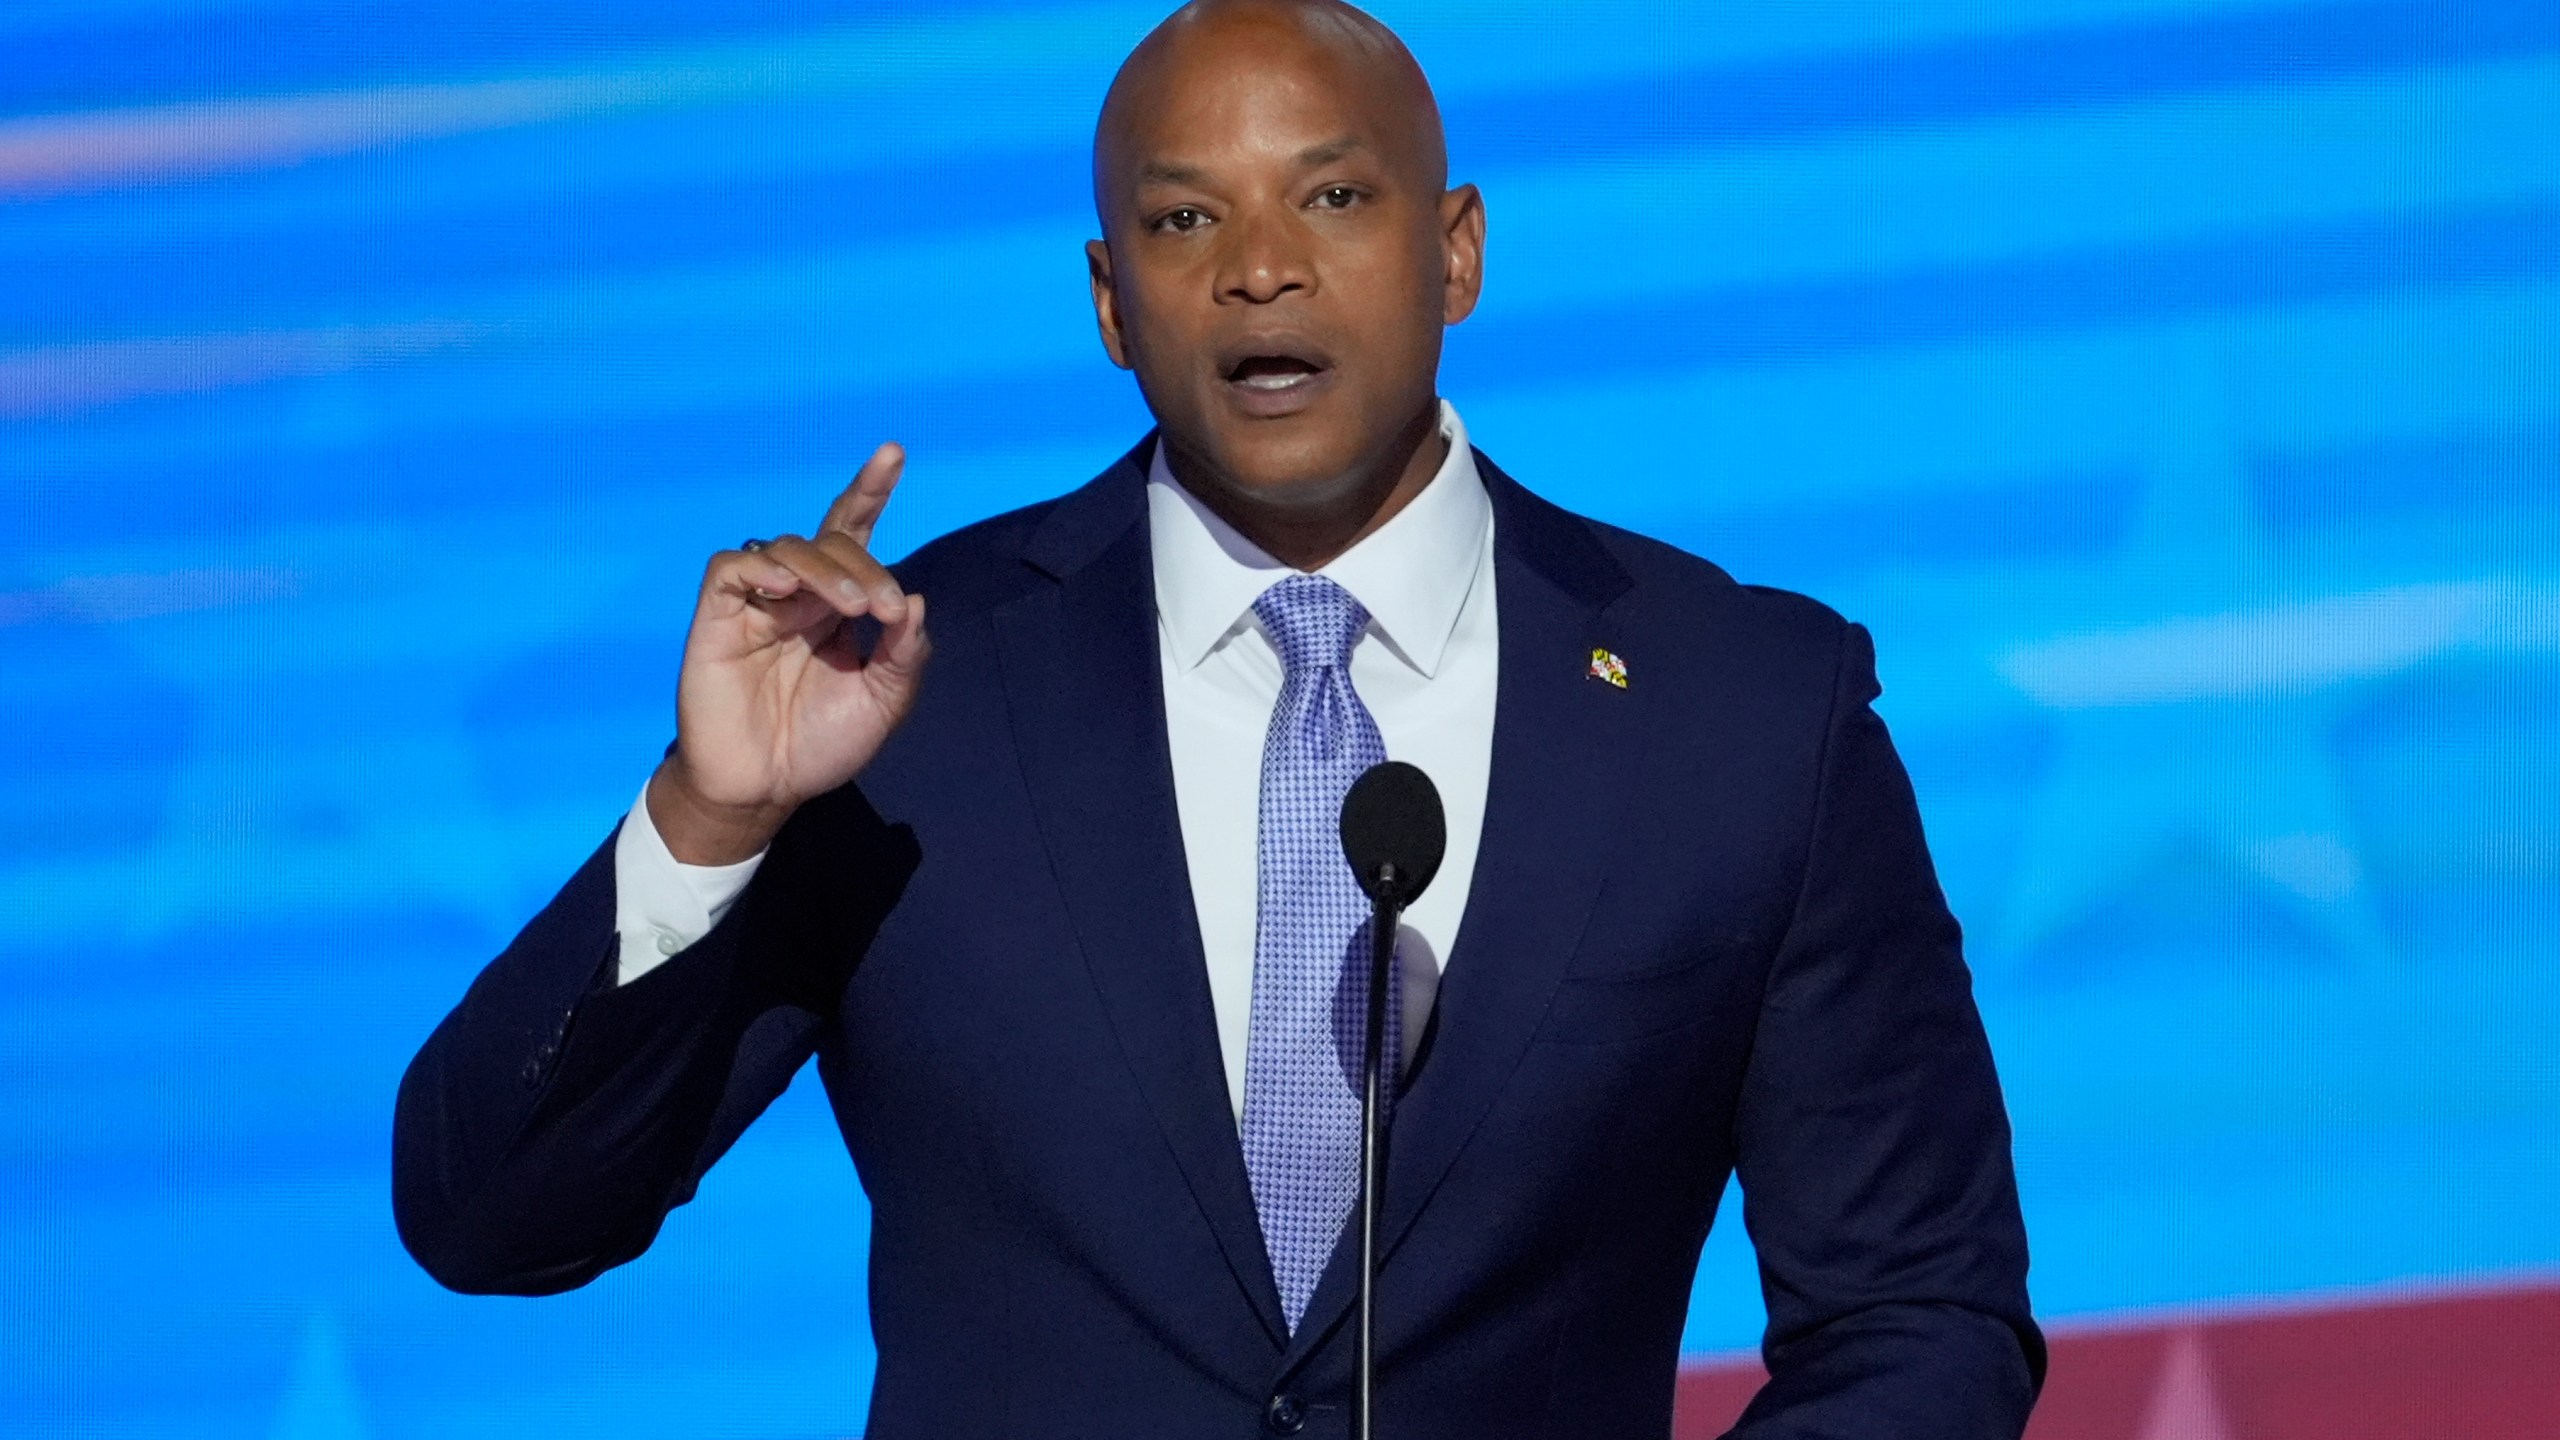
(1166, 172)
(1160, 172)
(1330, 151)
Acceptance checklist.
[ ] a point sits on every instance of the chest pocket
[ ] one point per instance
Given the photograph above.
(1607, 1009)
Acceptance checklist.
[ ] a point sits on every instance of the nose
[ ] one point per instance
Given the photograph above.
(1266, 258)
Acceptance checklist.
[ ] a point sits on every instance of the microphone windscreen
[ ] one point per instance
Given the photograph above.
(1392, 817)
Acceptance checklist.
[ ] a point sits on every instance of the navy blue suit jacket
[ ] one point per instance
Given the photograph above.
(1704, 935)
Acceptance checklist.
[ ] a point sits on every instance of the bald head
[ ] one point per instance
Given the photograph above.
(1209, 42)
(1280, 251)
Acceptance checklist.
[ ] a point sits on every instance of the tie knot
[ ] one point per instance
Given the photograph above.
(1313, 622)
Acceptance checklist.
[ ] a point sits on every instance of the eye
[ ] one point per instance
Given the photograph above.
(1182, 220)
(1337, 197)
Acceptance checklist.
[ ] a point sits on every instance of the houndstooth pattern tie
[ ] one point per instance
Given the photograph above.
(1310, 947)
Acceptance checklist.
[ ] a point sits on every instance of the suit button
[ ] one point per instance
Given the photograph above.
(532, 1073)
(1286, 1414)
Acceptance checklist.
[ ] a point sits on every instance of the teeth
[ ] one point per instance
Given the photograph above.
(1278, 380)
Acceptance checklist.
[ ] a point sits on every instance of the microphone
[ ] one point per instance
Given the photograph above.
(1394, 834)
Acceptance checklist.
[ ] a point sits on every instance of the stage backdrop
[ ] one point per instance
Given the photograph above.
(2173, 385)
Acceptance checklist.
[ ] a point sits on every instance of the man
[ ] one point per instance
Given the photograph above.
(1068, 933)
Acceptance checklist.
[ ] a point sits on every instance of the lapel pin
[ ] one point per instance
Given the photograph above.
(1606, 666)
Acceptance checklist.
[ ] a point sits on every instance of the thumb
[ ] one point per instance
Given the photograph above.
(897, 660)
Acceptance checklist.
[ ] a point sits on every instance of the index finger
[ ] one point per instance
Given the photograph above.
(858, 508)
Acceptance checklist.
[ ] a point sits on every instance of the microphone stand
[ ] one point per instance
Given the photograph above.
(1384, 914)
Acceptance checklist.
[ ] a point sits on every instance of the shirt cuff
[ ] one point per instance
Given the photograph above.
(661, 905)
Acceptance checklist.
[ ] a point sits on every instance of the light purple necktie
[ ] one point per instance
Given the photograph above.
(1310, 944)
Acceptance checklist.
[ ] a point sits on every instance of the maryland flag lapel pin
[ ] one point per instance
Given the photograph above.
(1607, 667)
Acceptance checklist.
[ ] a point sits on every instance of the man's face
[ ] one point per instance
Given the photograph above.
(1279, 262)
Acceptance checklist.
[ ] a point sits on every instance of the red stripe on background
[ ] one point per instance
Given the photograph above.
(2460, 1367)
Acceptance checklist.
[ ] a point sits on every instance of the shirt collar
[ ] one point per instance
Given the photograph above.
(1412, 574)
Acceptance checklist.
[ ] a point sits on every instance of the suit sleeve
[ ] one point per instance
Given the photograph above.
(1871, 1142)
(554, 1118)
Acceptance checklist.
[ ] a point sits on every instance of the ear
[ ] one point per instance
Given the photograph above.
(1106, 301)
(1462, 245)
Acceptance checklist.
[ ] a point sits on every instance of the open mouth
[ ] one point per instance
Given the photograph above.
(1272, 374)
(1275, 374)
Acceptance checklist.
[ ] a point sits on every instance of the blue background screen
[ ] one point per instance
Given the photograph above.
(2172, 385)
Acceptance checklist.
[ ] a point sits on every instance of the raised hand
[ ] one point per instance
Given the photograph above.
(777, 703)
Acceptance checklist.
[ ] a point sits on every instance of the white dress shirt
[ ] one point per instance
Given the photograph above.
(1426, 667)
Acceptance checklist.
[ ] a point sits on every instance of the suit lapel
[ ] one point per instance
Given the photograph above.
(1085, 688)
(1563, 744)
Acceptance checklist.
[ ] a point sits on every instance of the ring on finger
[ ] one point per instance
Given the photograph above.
(751, 547)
